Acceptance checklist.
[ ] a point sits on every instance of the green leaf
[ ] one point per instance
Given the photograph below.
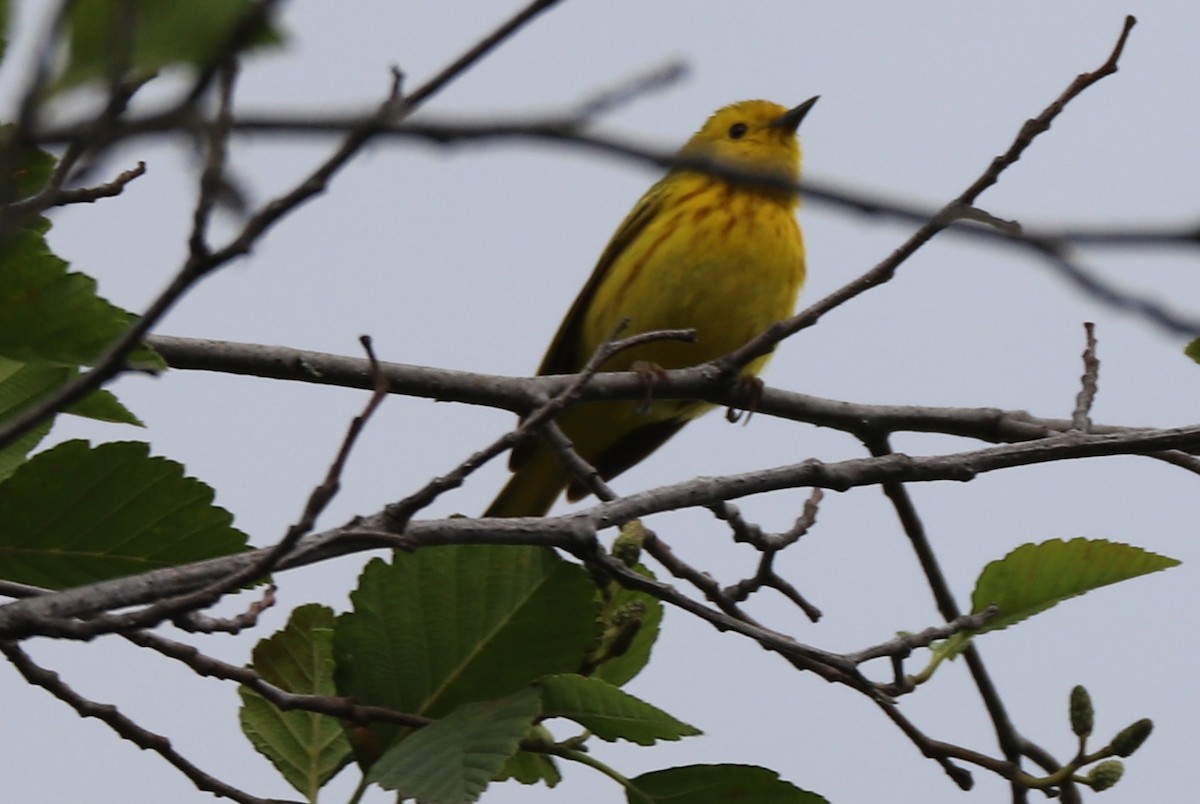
(528, 767)
(446, 626)
(3, 27)
(1192, 350)
(646, 612)
(712, 784)
(12, 455)
(76, 514)
(24, 171)
(52, 320)
(117, 37)
(103, 406)
(52, 316)
(1034, 577)
(22, 384)
(608, 712)
(307, 748)
(452, 760)
(19, 387)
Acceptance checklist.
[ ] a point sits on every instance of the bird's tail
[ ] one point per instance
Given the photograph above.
(532, 489)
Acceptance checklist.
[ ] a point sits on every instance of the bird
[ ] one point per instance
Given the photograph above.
(698, 251)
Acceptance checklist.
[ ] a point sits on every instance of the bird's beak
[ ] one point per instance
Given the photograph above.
(790, 120)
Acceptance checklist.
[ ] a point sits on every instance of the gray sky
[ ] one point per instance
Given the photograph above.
(466, 258)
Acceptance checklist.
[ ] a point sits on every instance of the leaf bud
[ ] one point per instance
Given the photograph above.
(1082, 715)
(1131, 737)
(1105, 775)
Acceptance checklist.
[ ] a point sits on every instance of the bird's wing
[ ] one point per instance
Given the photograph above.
(565, 353)
(627, 451)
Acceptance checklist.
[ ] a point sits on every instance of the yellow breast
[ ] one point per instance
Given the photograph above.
(725, 261)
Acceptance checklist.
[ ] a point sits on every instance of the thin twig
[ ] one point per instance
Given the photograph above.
(766, 577)
(123, 726)
(931, 748)
(883, 272)
(705, 583)
(318, 500)
(55, 196)
(477, 52)
(744, 531)
(1120, 299)
(268, 560)
(574, 463)
(400, 512)
(52, 616)
(914, 529)
(1081, 419)
(634, 88)
(323, 494)
(547, 429)
(803, 523)
(212, 177)
(183, 606)
(54, 193)
(207, 666)
(197, 266)
(905, 643)
(827, 665)
(197, 623)
(770, 546)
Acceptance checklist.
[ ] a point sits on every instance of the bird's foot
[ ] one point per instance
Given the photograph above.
(751, 388)
(649, 372)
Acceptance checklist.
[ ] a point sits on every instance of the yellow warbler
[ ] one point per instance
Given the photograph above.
(697, 251)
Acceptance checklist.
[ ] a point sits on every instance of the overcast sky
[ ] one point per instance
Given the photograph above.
(466, 258)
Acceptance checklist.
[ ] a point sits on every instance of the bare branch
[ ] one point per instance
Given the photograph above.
(1121, 299)
(182, 607)
(575, 533)
(884, 271)
(765, 575)
(195, 622)
(566, 129)
(702, 581)
(743, 530)
(207, 666)
(1081, 418)
(541, 417)
(323, 494)
(203, 262)
(477, 52)
(914, 529)
(523, 394)
(212, 177)
(827, 665)
(122, 725)
(55, 196)
(632, 89)
(904, 644)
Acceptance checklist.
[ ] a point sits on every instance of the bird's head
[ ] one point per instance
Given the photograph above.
(755, 135)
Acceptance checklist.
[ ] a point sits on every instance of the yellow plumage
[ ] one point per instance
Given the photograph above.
(726, 259)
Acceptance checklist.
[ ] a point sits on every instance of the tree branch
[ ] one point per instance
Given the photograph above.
(202, 262)
(522, 394)
(575, 532)
(122, 725)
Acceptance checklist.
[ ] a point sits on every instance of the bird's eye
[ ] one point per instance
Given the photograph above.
(738, 130)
